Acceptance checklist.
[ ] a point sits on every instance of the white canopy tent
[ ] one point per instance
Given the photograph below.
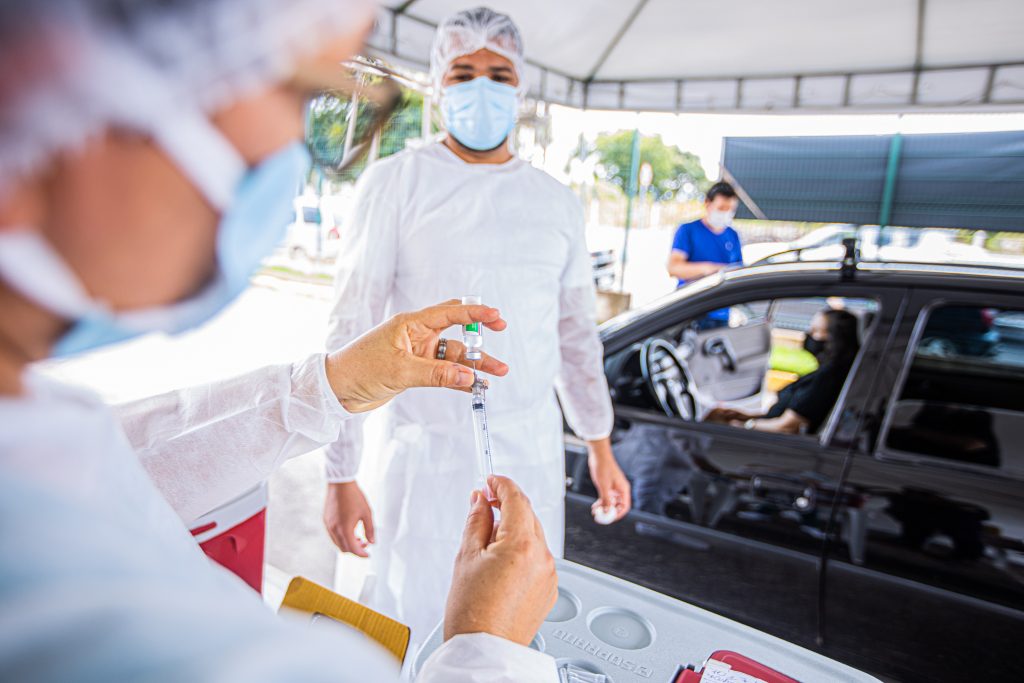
(750, 55)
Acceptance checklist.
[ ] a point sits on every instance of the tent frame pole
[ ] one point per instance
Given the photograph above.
(889, 188)
(634, 171)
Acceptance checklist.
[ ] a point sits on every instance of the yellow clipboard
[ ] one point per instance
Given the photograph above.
(304, 595)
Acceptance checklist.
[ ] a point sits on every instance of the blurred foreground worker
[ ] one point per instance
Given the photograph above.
(149, 153)
(464, 216)
(708, 245)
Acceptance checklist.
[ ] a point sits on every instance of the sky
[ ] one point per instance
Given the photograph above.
(702, 133)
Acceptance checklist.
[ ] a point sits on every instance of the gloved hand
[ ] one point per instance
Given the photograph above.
(344, 508)
(504, 581)
(400, 354)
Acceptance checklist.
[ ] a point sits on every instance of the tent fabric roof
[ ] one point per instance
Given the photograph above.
(960, 180)
(749, 55)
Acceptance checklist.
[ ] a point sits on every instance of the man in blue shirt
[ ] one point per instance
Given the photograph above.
(708, 245)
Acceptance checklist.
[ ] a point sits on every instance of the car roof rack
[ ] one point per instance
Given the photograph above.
(851, 262)
(851, 255)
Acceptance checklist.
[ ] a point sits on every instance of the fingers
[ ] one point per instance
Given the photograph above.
(620, 507)
(479, 525)
(371, 537)
(627, 493)
(614, 502)
(516, 512)
(423, 372)
(346, 540)
(625, 500)
(452, 312)
(356, 546)
(456, 353)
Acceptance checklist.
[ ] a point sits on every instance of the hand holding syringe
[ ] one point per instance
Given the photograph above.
(473, 338)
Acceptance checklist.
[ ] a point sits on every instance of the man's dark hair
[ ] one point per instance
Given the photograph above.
(720, 189)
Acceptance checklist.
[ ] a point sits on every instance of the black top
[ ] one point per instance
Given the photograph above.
(813, 395)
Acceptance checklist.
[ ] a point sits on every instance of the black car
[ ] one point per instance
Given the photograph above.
(892, 537)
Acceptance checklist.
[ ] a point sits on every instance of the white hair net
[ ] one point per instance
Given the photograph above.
(70, 69)
(465, 32)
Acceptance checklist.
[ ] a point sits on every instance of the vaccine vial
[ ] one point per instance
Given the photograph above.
(473, 334)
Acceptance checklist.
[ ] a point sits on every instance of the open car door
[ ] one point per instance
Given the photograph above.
(730, 363)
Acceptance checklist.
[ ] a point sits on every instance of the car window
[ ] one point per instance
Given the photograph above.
(961, 399)
(752, 361)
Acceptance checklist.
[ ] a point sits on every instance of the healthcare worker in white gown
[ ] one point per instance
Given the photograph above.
(511, 234)
(149, 154)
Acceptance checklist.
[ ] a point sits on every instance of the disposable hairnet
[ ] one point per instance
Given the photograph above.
(465, 32)
(70, 69)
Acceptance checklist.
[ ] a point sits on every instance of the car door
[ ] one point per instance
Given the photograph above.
(731, 361)
(729, 519)
(931, 584)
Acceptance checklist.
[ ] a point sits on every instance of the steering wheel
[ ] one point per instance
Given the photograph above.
(668, 378)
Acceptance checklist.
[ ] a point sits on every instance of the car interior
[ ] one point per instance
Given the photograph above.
(691, 367)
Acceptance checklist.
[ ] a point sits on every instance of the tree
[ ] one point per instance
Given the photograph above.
(404, 124)
(675, 173)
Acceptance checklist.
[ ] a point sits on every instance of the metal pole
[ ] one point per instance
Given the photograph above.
(634, 170)
(546, 139)
(889, 189)
(319, 212)
(352, 118)
(374, 149)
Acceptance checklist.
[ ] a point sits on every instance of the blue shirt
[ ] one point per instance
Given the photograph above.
(700, 243)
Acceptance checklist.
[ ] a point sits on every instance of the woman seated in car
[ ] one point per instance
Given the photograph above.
(803, 405)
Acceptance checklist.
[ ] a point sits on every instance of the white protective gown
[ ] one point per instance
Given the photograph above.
(101, 581)
(428, 227)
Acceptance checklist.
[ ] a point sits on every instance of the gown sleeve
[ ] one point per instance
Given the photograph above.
(362, 290)
(581, 383)
(483, 658)
(206, 445)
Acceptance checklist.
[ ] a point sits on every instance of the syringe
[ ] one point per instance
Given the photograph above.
(484, 462)
(473, 338)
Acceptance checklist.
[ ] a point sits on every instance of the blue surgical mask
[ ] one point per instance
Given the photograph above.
(480, 113)
(253, 220)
